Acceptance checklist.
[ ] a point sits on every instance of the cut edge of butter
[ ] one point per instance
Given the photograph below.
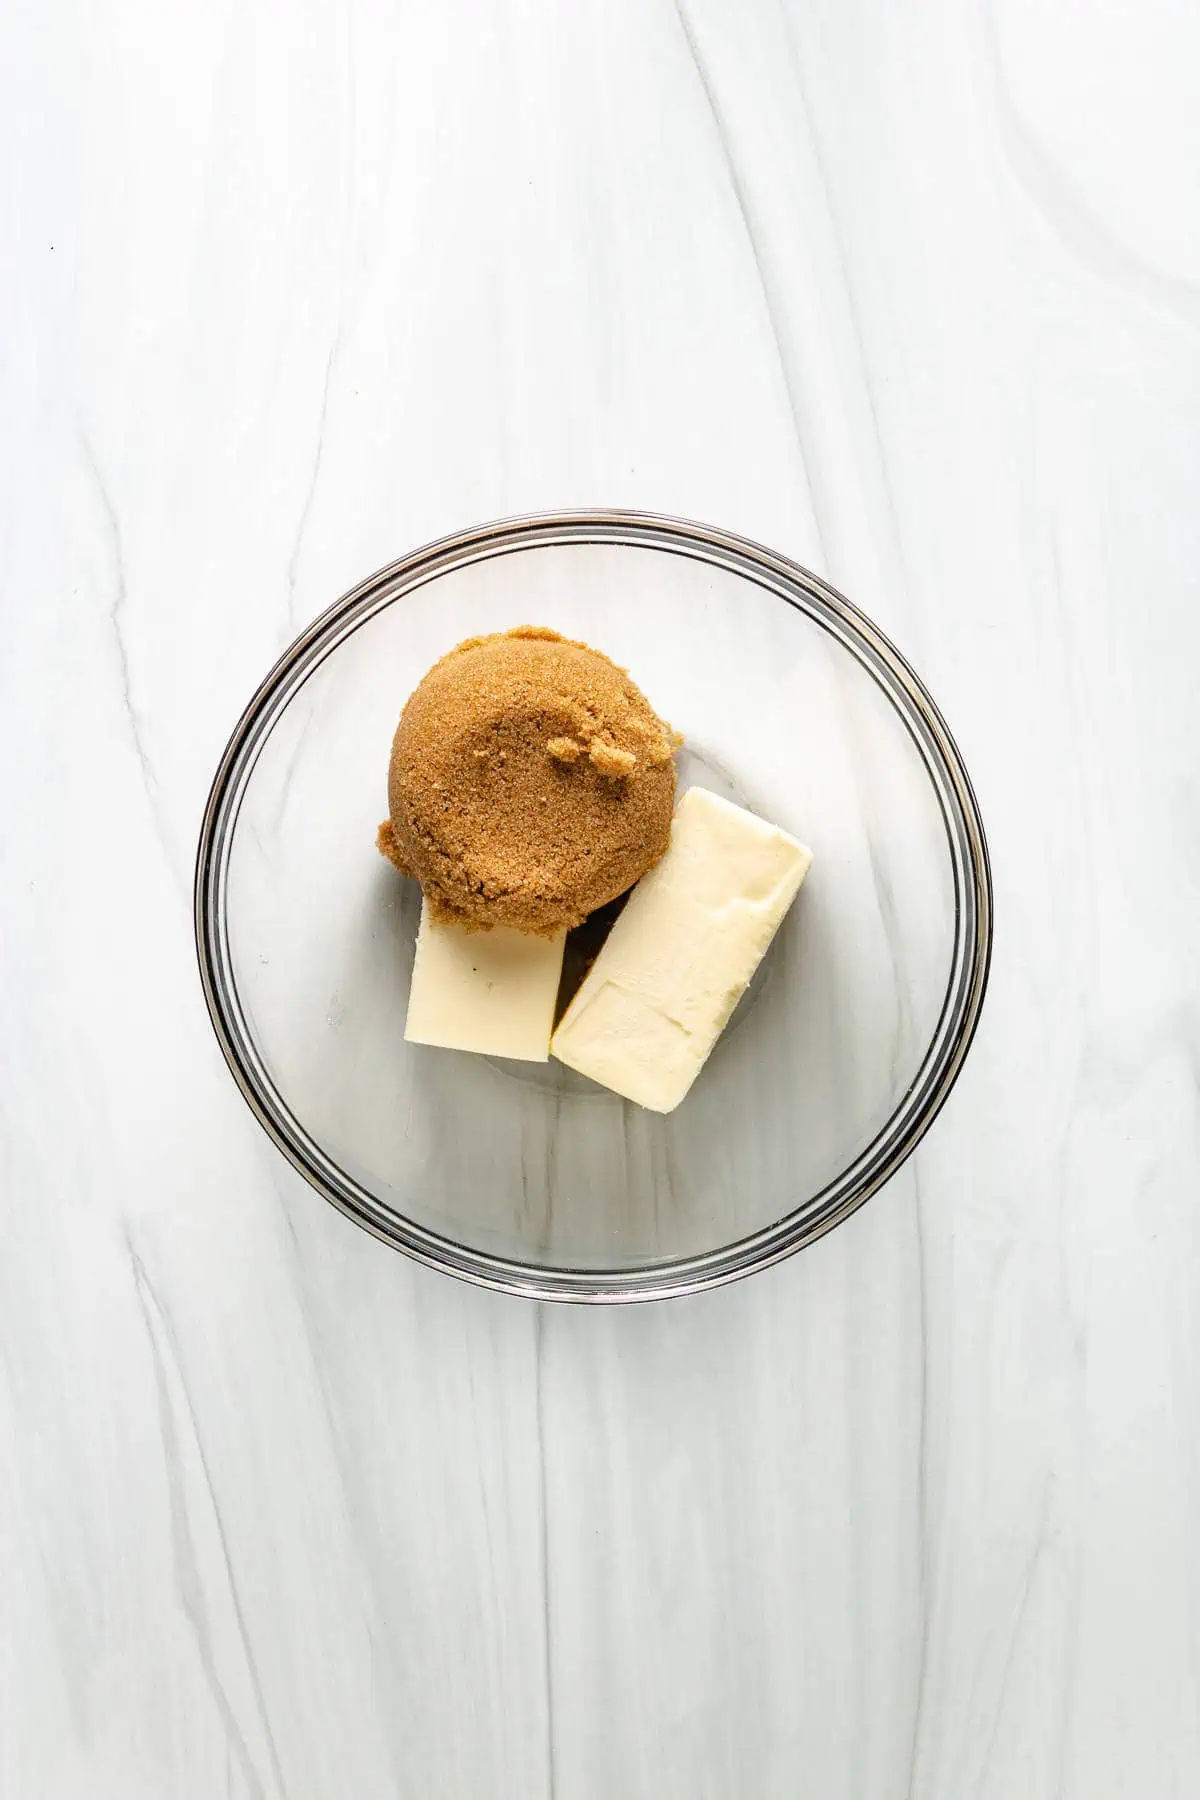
(682, 953)
(489, 992)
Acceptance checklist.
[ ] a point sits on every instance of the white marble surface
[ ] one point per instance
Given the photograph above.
(909, 291)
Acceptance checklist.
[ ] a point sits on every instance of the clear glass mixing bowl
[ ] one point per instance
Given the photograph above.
(525, 1177)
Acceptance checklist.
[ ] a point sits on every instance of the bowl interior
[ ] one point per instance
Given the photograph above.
(530, 1166)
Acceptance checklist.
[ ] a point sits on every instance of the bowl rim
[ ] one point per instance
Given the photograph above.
(941, 1064)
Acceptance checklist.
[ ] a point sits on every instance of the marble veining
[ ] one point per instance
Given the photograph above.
(908, 292)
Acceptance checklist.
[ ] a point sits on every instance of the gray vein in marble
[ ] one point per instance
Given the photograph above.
(166, 1363)
(769, 305)
(885, 898)
(343, 1466)
(116, 618)
(289, 774)
(922, 1485)
(1040, 1541)
(539, 1327)
(902, 1031)
(293, 563)
(313, 1334)
(850, 304)
(1066, 213)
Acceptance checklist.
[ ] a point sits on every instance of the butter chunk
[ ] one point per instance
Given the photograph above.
(682, 953)
(488, 991)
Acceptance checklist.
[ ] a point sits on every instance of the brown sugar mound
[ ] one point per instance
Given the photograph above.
(531, 782)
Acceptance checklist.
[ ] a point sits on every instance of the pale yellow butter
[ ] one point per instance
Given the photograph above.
(682, 953)
(488, 991)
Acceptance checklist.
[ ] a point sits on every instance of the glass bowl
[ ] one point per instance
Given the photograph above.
(525, 1177)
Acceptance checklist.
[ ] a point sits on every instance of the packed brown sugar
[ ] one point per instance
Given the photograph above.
(530, 782)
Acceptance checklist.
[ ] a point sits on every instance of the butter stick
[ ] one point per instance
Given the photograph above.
(488, 991)
(682, 953)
